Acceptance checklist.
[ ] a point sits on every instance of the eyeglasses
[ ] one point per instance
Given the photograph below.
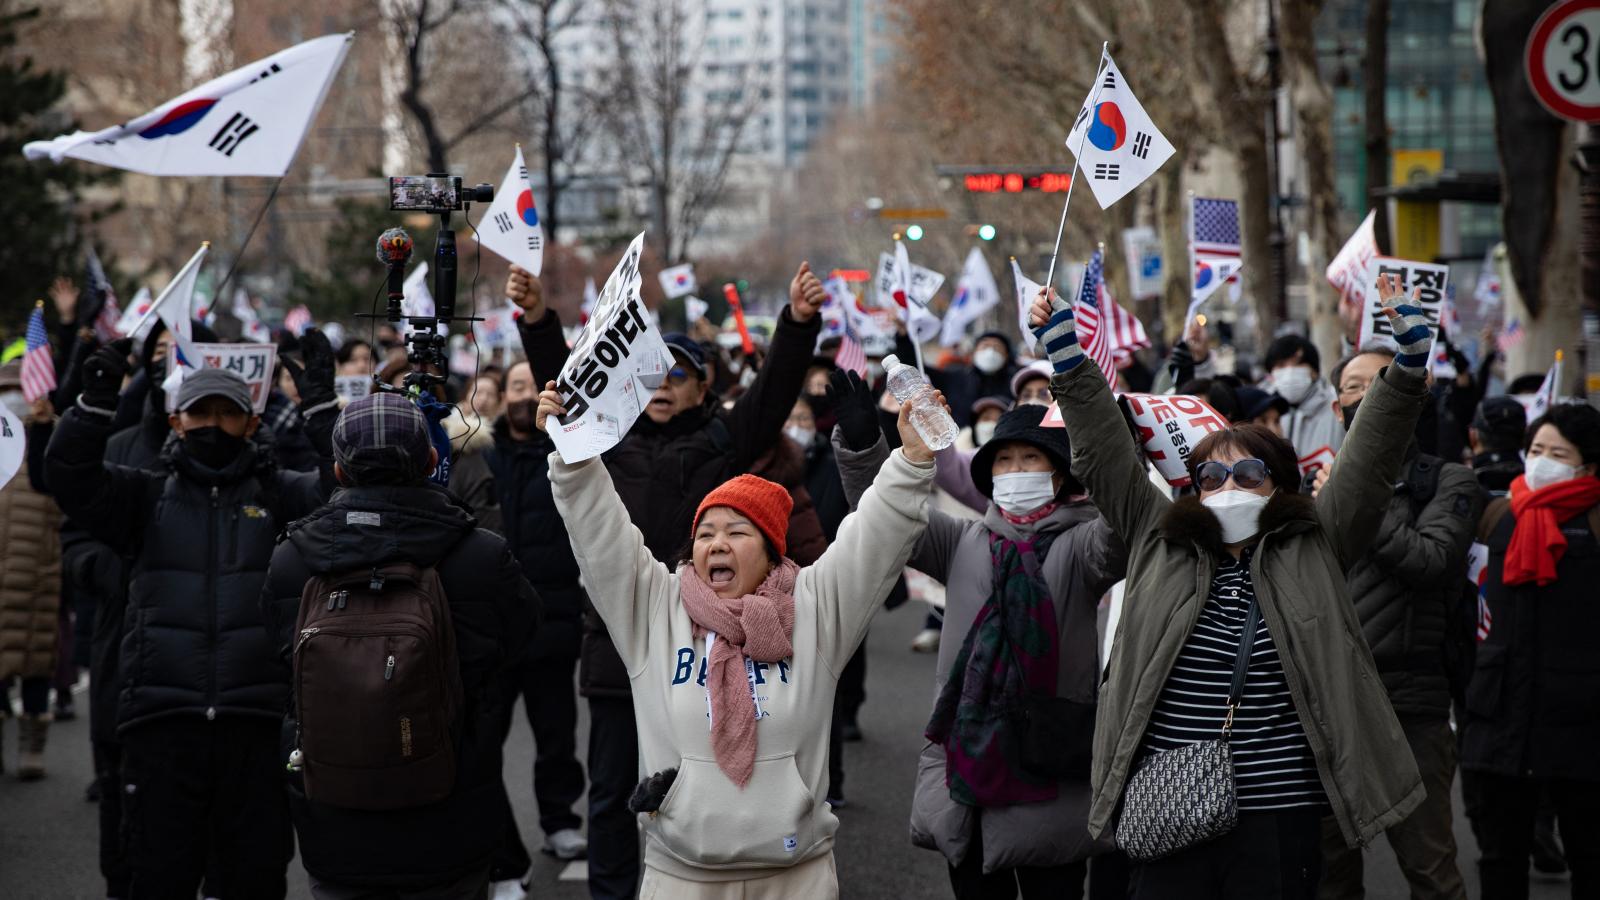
(677, 375)
(1247, 473)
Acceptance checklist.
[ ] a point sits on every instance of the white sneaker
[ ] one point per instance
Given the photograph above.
(510, 889)
(926, 641)
(568, 843)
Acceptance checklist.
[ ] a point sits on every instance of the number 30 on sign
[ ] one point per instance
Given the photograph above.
(1563, 60)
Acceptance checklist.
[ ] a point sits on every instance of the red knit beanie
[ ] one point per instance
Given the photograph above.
(766, 504)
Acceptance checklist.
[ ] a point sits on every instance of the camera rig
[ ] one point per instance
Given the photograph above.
(425, 340)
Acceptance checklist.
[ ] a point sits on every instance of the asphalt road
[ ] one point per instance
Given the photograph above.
(48, 832)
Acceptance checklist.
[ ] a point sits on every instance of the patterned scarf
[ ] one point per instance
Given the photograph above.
(1010, 652)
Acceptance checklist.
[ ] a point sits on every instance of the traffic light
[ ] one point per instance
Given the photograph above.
(986, 232)
(914, 233)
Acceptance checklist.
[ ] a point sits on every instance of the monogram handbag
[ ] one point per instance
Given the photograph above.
(1185, 796)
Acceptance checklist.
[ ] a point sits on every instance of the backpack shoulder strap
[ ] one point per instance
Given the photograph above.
(1422, 480)
(1498, 509)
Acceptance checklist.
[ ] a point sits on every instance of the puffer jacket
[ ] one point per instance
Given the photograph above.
(1408, 582)
(30, 580)
(1299, 569)
(1085, 558)
(662, 472)
(493, 611)
(192, 641)
(1532, 708)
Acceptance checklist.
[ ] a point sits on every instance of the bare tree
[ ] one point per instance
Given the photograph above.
(675, 126)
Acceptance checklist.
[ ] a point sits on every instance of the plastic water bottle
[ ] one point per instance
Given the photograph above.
(928, 416)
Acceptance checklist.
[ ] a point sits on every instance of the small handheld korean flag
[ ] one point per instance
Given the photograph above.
(1116, 144)
(248, 122)
(677, 281)
(511, 226)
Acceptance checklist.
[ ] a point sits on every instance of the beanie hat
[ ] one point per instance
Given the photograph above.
(766, 504)
(1022, 424)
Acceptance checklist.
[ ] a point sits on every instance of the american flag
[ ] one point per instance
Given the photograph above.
(1477, 567)
(1512, 335)
(850, 356)
(105, 324)
(1127, 332)
(297, 320)
(38, 365)
(1216, 227)
(1096, 341)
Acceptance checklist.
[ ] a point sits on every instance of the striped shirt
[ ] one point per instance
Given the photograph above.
(1272, 762)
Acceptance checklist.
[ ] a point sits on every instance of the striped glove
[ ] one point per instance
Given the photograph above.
(1059, 336)
(1410, 327)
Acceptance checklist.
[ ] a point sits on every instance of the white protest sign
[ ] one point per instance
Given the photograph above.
(350, 388)
(617, 362)
(252, 362)
(1169, 428)
(13, 444)
(1431, 278)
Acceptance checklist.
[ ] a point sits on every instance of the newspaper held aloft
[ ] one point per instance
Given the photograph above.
(617, 362)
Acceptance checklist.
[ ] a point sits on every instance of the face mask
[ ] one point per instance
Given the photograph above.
(1349, 413)
(1293, 383)
(1239, 512)
(988, 360)
(874, 372)
(801, 436)
(1542, 471)
(212, 447)
(1020, 493)
(13, 402)
(520, 413)
(982, 432)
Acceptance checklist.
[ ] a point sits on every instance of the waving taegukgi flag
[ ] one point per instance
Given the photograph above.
(248, 122)
(511, 226)
(1120, 146)
(677, 281)
(908, 288)
(1027, 290)
(976, 294)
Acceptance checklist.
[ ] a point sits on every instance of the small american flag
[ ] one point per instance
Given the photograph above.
(850, 356)
(1216, 227)
(38, 364)
(297, 320)
(1127, 332)
(1477, 568)
(1512, 335)
(1096, 341)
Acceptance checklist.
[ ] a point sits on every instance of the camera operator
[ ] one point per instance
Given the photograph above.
(678, 451)
(202, 689)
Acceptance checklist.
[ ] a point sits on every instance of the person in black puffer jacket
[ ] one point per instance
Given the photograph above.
(201, 688)
(677, 452)
(1406, 589)
(389, 512)
(1496, 440)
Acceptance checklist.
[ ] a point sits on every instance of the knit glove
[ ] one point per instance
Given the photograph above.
(103, 372)
(856, 409)
(1409, 324)
(1059, 336)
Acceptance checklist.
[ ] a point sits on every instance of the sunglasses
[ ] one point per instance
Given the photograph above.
(677, 375)
(1246, 473)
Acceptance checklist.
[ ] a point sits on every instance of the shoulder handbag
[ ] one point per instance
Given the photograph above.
(1185, 796)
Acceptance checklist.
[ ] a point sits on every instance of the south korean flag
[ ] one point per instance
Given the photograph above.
(511, 226)
(1116, 144)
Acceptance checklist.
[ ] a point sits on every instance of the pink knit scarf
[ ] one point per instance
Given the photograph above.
(760, 626)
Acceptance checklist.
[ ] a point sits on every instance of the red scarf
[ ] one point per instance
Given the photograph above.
(1537, 543)
(760, 626)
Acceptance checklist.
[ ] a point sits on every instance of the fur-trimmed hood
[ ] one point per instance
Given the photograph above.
(1188, 521)
(469, 432)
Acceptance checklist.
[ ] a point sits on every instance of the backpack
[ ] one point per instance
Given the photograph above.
(377, 688)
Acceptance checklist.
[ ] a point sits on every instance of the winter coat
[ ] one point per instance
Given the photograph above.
(506, 484)
(708, 829)
(492, 608)
(1496, 471)
(201, 538)
(662, 472)
(1299, 569)
(824, 486)
(785, 464)
(30, 580)
(1533, 702)
(1085, 558)
(1408, 583)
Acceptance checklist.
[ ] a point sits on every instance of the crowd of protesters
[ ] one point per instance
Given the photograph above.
(298, 641)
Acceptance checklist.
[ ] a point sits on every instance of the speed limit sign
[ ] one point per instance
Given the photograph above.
(1563, 60)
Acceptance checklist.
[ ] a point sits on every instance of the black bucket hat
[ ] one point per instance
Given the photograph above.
(1022, 424)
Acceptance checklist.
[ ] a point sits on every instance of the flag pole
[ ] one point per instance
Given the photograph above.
(271, 195)
(1077, 157)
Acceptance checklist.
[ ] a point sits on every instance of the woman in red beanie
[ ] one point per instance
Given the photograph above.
(734, 659)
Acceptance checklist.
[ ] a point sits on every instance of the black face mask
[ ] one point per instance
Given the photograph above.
(212, 447)
(522, 415)
(1349, 413)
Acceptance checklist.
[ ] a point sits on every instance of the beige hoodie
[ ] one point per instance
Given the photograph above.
(707, 828)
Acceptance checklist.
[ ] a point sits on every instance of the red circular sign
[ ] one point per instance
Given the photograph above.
(1563, 60)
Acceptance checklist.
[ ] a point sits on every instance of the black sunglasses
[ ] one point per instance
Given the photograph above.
(1247, 473)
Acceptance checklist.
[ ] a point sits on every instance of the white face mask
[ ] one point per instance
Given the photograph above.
(988, 360)
(1542, 471)
(1293, 383)
(1239, 512)
(801, 436)
(982, 432)
(1020, 493)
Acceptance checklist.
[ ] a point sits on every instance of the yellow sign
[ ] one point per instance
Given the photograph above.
(1416, 222)
(930, 212)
